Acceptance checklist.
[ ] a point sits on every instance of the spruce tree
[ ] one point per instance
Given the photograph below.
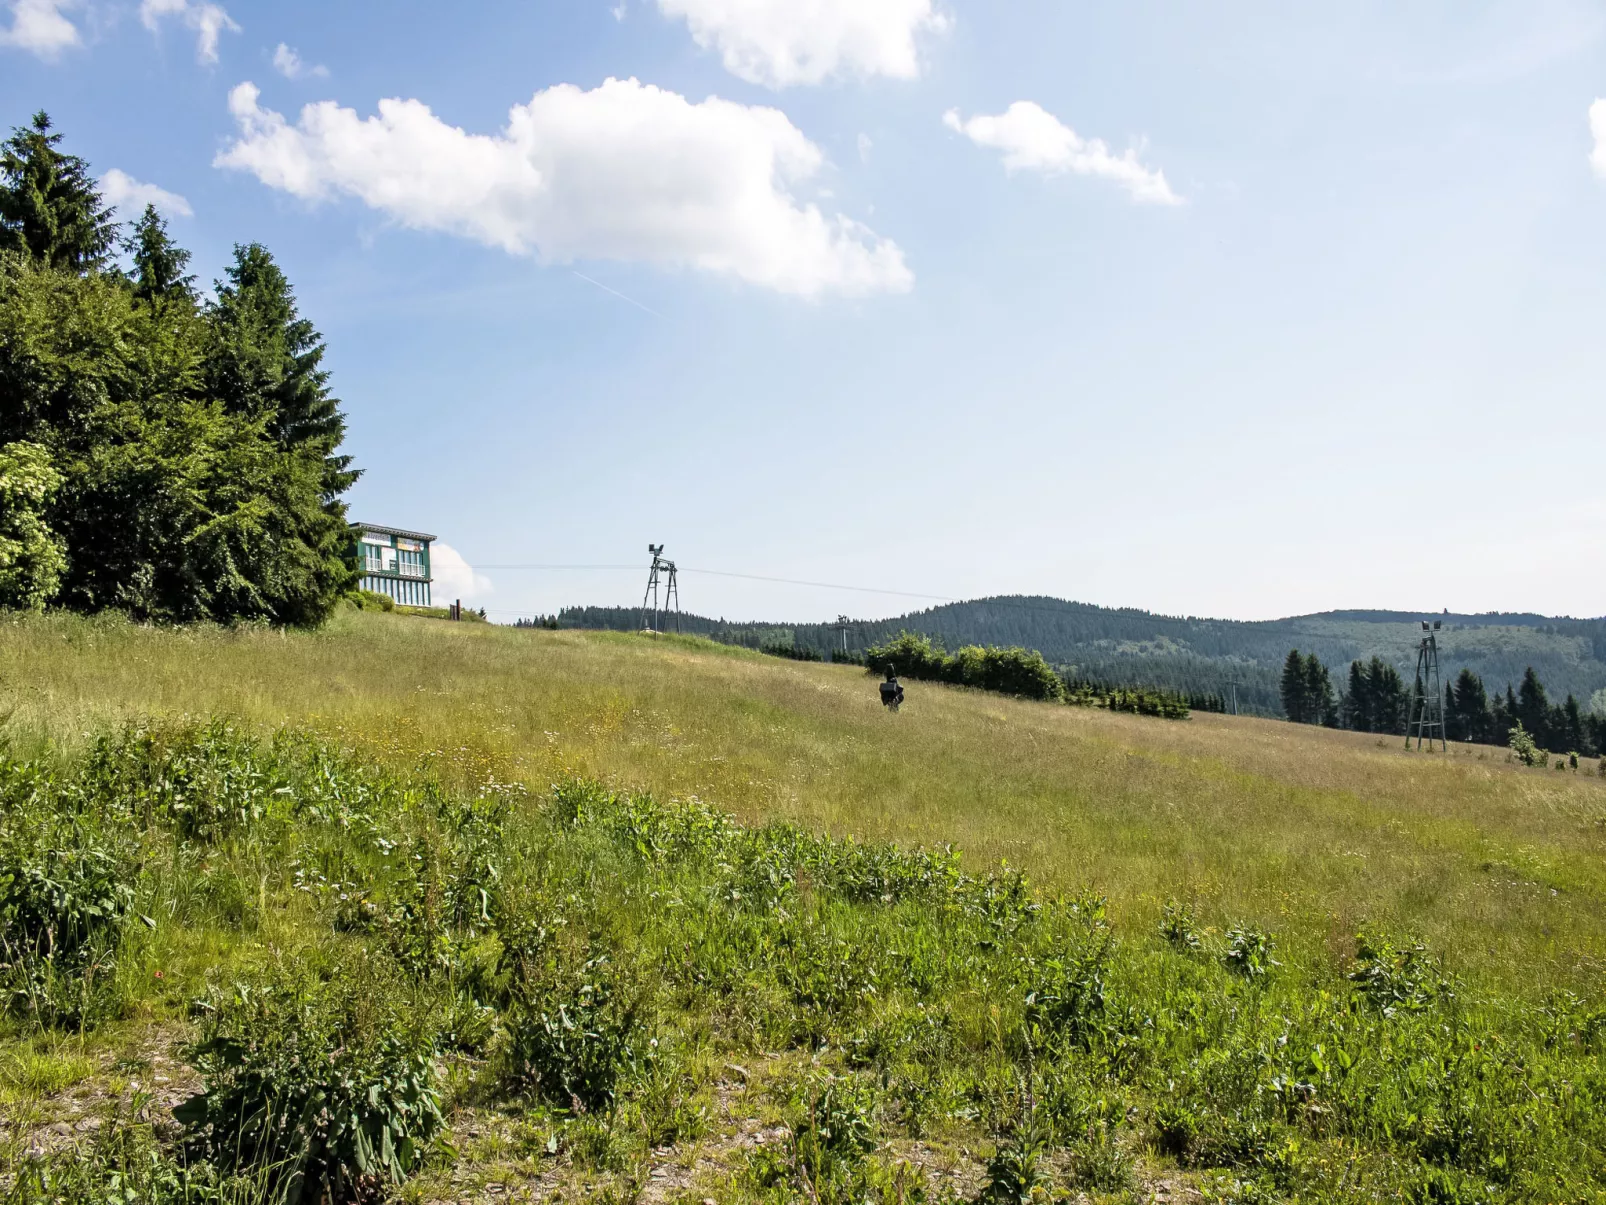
(1386, 690)
(1357, 703)
(173, 504)
(1318, 703)
(1293, 687)
(266, 360)
(158, 261)
(1533, 709)
(1575, 738)
(50, 206)
(1471, 707)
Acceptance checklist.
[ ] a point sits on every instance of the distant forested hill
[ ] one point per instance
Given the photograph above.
(1128, 646)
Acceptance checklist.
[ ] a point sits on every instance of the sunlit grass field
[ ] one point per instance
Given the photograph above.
(1308, 833)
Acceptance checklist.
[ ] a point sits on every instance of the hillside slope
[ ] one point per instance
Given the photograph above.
(1199, 655)
(468, 908)
(1312, 831)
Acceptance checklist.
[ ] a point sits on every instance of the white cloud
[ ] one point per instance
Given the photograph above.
(454, 577)
(207, 20)
(290, 65)
(1597, 127)
(783, 42)
(865, 146)
(1032, 139)
(125, 193)
(626, 171)
(39, 26)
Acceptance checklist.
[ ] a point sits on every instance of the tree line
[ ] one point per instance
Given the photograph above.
(164, 454)
(1377, 699)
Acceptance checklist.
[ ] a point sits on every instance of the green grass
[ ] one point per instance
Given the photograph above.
(360, 899)
(1310, 832)
(376, 980)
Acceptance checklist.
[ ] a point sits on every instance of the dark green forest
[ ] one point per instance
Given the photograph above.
(1375, 697)
(172, 456)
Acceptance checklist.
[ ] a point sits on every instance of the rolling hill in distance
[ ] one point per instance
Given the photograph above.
(1128, 646)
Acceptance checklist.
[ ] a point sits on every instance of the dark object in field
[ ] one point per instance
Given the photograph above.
(892, 691)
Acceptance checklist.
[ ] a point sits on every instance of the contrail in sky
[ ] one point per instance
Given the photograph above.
(618, 294)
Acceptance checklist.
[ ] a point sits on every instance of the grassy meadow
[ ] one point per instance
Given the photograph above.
(446, 912)
(1311, 832)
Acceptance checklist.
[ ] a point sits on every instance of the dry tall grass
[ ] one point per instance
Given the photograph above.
(1311, 833)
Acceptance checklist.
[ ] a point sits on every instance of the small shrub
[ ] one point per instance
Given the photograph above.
(326, 1089)
(209, 782)
(573, 1039)
(1069, 999)
(1394, 978)
(1099, 1161)
(1179, 928)
(1524, 750)
(1017, 1171)
(1176, 1128)
(66, 900)
(832, 1137)
(372, 600)
(1249, 953)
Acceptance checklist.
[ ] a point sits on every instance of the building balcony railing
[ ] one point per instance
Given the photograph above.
(415, 572)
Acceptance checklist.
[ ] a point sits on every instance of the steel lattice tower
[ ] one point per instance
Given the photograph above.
(1426, 718)
(663, 577)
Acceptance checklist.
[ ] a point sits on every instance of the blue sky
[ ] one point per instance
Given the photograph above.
(1238, 309)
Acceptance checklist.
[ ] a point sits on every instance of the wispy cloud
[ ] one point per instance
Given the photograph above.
(780, 43)
(289, 64)
(208, 21)
(1032, 139)
(126, 194)
(41, 27)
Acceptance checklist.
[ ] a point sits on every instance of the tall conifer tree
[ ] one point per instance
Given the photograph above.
(159, 262)
(50, 206)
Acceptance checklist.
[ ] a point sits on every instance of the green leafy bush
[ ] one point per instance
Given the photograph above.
(1394, 978)
(1017, 1170)
(835, 1130)
(1525, 750)
(573, 1036)
(1249, 953)
(32, 557)
(1179, 928)
(326, 1088)
(1011, 671)
(66, 901)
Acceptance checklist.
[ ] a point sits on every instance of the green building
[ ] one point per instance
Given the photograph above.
(394, 562)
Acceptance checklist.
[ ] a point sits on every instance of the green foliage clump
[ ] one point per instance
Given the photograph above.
(372, 600)
(1137, 700)
(327, 1088)
(1179, 928)
(1017, 1171)
(1524, 749)
(1010, 671)
(180, 458)
(66, 901)
(574, 1034)
(32, 556)
(1249, 953)
(1394, 978)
